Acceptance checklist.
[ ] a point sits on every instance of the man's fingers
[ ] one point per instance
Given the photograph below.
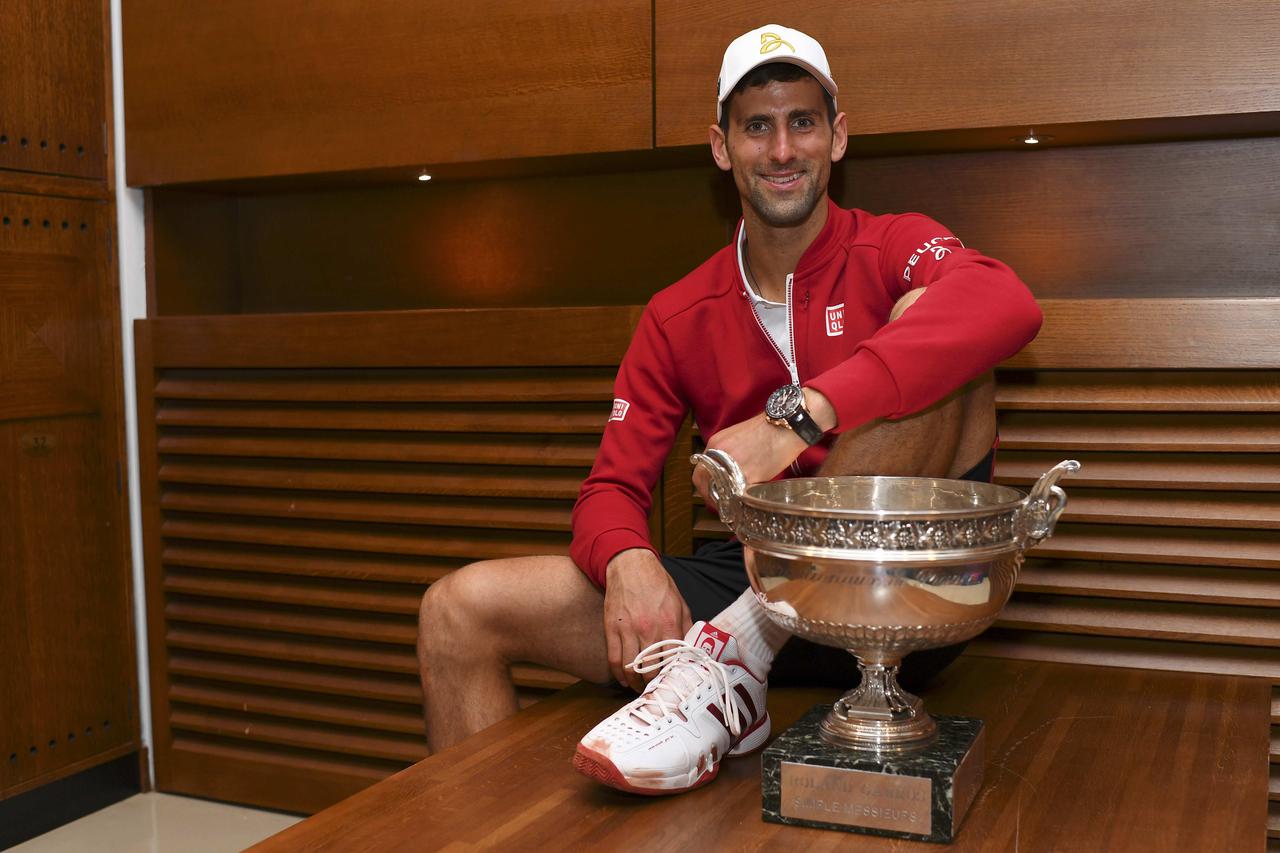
(627, 644)
(702, 484)
(613, 646)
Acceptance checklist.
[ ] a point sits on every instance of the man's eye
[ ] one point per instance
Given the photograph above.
(756, 127)
(804, 122)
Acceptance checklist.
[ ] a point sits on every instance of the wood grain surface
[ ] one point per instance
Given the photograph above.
(1188, 220)
(1192, 220)
(69, 697)
(294, 513)
(1078, 758)
(241, 89)
(54, 89)
(933, 64)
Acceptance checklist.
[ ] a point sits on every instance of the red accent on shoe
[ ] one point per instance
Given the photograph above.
(712, 640)
(758, 723)
(746, 699)
(600, 769)
(714, 710)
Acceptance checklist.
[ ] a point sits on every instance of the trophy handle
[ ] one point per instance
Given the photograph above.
(1042, 507)
(727, 482)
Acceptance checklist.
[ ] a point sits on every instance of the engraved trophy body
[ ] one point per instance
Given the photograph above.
(881, 567)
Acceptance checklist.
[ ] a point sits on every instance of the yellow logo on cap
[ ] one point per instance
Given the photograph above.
(769, 42)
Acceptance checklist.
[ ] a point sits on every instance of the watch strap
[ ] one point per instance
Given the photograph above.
(803, 425)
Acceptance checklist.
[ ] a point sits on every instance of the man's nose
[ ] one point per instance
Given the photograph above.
(780, 149)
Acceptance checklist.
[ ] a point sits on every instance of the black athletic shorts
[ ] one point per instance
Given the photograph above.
(715, 576)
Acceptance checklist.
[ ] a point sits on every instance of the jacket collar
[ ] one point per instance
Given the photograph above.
(829, 240)
(820, 252)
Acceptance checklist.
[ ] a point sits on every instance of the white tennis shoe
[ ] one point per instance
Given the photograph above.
(704, 703)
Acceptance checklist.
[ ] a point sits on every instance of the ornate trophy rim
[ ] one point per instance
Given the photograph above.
(942, 553)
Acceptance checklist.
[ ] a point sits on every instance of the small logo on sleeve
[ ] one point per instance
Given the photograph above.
(620, 409)
(835, 320)
(930, 247)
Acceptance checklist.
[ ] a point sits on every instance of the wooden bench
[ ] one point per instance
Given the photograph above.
(305, 476)
(1078, 758)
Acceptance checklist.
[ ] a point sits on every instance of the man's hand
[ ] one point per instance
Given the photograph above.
(641, 606)
(761, 449)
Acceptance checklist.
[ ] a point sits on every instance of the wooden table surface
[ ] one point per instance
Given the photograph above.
(1078, 759)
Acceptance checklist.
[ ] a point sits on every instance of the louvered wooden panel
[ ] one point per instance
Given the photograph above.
(295, 515)
(1167, 553)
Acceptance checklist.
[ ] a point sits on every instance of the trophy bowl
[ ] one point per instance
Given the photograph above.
(881, 567)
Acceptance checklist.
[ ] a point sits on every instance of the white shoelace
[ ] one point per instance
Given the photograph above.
(686, 666)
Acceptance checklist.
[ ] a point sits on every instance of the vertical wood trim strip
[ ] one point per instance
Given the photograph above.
(153, 569)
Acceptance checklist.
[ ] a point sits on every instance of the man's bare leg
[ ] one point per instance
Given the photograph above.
(944, 440)
(476, 622)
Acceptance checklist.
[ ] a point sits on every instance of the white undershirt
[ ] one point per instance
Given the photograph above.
(773, 315)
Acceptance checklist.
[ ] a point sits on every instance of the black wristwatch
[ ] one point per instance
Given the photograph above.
(785, 408)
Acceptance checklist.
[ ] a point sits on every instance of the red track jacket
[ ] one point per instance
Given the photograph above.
(699, 346)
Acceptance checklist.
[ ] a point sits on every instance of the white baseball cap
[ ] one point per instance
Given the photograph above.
(771, 43)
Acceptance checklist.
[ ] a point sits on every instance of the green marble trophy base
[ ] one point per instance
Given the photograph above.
(922, 796)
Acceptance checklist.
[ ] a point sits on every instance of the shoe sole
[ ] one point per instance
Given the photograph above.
(600, 769)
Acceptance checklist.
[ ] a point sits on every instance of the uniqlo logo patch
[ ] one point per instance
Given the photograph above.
(620, 409)
(712, 641)
(835, 320)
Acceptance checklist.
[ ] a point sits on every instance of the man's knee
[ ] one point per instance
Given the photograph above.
(457, 603)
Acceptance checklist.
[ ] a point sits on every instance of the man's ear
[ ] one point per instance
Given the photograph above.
(720, 149)
(839, 137)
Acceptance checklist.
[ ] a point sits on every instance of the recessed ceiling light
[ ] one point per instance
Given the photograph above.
(423, 176)
(1031, 138)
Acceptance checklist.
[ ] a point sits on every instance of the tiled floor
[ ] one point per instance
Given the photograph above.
(162, 823)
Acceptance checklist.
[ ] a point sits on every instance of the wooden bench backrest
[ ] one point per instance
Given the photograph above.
(305, 476)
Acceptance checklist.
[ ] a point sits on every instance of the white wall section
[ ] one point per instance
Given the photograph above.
(131, 245)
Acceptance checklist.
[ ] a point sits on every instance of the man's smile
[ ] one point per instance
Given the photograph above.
(783, 179)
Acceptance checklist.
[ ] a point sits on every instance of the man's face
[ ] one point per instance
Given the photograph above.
(780, 147)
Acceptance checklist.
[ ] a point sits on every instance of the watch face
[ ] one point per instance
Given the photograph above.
(784, 402)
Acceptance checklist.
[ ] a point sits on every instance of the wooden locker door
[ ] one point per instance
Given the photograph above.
(68, 661)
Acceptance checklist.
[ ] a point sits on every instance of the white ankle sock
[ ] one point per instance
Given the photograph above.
(757, 634)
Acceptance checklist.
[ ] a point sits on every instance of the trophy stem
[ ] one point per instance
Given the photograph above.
(878, 715)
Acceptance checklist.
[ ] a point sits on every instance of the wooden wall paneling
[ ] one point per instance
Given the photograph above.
(295, 510)
(1098, 223)
(445, 338)
(1177, 220)
(396, 84)
(926, 65)
(550, 241)
(53, 88)
(193, 253)
(67, 625)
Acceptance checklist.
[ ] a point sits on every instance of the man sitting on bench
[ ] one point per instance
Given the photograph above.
(821, 340)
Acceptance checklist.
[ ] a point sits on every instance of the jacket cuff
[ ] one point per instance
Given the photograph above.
(860, 389)
(610, 544)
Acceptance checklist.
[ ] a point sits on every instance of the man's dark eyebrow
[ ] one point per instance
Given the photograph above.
(799, 112)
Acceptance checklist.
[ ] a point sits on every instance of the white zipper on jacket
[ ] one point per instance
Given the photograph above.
(789, 363)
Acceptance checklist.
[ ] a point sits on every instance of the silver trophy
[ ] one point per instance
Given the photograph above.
(881, 567)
